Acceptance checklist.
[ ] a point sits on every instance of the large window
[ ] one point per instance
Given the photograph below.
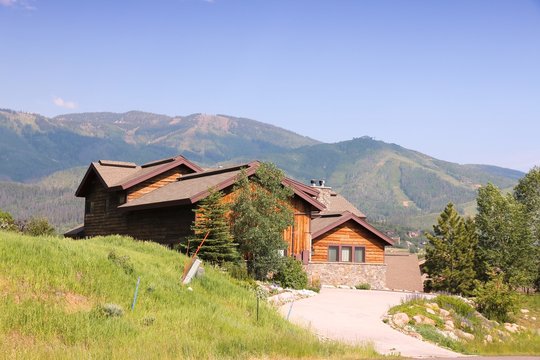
(346, 253)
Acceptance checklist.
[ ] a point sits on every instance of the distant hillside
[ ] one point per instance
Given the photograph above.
(202, 137)
(53, 198)
(388, 182)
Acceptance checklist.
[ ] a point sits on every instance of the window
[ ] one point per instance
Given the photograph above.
(88, 206)
(359, 254)
(333, 252)
(339, 253)
(346, 253)
(121, 198)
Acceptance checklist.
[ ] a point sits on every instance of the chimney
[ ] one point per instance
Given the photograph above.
(313, 182)
(321, 183)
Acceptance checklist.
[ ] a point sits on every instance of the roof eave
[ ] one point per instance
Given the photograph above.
(350, 216)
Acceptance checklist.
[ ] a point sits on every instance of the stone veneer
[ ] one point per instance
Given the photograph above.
(350, 274)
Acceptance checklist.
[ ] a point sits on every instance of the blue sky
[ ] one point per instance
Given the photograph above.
(458, 80)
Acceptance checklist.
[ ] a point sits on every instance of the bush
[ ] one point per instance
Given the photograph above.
(291, 274)
(363, 286)
(122, 261)
(6, 221)
(111, 310)
(314, 285)
(38, 227)
(454, 303)
(237, 270)
(496, 300)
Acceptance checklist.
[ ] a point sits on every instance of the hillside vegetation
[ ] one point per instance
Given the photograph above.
(386, 181)
(62, 298)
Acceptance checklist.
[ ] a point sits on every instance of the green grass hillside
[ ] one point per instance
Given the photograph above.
(52, 293)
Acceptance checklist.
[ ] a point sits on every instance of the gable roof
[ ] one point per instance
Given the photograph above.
(118, 175)
(191, 188)
(324, 224)
(194, 187)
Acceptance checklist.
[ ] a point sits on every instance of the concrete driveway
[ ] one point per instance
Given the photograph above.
(355, 316)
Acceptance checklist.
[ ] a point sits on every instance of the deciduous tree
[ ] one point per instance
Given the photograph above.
(260, 214)
(505, 241)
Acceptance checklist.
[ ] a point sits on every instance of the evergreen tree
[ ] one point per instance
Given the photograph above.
(527, 192)
(260, 214)
(505, 241)
(450, 253)
(211, 218)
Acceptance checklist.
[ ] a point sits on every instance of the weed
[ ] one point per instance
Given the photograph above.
(363, 286)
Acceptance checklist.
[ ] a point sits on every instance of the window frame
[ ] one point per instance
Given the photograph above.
(353, 250)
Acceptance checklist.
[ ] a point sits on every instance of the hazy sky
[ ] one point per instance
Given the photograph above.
(458, 80)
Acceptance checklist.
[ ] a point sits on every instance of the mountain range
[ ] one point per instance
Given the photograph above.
(388, 182)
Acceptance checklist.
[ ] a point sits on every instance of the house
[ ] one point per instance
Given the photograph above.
(155, 201)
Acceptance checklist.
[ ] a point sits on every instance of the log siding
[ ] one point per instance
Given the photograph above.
(349, 234)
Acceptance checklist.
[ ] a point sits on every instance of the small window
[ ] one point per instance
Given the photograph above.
(121, 198)
(359, 254)
(88, 206)
(346, 254)
(333, 253)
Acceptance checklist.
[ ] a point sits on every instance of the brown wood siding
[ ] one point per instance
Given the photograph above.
(349, 234)
(297, 236)
(103, 221)
(165, 226)
(156, 182)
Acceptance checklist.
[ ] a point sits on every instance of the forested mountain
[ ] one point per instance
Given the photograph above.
(386, 181)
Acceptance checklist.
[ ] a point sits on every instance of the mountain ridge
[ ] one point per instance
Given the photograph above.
(386, 181)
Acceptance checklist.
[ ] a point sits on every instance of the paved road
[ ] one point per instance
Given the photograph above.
(355, 317)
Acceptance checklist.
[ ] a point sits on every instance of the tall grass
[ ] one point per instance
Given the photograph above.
(52, 290)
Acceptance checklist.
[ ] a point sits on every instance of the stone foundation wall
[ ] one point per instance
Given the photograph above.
(349, 274)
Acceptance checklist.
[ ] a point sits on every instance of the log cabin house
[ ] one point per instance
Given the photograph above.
(155, 201)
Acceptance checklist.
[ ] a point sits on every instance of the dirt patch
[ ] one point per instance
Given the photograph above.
(16, 340)
(76, 302)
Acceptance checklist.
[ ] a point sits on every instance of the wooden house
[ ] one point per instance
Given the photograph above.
(155, 201)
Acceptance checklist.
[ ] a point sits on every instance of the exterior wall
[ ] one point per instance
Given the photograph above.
(350, 274)
(352, 234)
(103, 221)
(298, 236)
(166, 226)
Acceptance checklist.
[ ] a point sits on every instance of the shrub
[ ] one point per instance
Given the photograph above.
(363, 286)
(6, 221)
(314, 285)
(237, 270)
(454, 303)
(38, 227)
(122, 261)
(111, 310)
(291, 274)
(496, 300)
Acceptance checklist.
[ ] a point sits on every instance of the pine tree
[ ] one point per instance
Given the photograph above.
(260, 214)
(450, 253)
(211, 218)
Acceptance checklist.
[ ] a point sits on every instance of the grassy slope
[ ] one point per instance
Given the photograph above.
(51, 288)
